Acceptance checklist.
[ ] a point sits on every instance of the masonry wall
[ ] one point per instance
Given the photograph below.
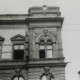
(9, 74)
(7, 33)
(33, 67)
(36, 73)
(37, 29)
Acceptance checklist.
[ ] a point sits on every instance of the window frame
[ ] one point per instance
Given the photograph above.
(47, 76)
(18, 49)
(17, 40)
(45, 48)
(1, 44)
(18, 77)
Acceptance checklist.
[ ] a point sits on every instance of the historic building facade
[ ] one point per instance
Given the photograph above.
(31, 45)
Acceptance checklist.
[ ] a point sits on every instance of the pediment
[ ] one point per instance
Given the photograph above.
(1, 38)
(18, 37)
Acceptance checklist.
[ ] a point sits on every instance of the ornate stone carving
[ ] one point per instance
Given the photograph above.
(36, 34)
(45, 31)
(46, 69)
(17, 71)
(53, 33)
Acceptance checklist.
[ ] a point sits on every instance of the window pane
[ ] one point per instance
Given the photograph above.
(49, 42)
(16, 78)
(42, 47)
(42, 53)
(44, 77)
(18, 54)
(49, 54)
(42, 42)
(16, 46)
(21, 46)
(49, 46)
(51, 78)
(20, 78)
(6, 55)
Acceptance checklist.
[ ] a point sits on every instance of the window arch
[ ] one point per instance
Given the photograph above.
(44, 77)
(42, 49)
(18, 78)
(45, 47)
(48, 76)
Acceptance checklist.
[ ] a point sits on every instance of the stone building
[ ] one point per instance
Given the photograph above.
(31, 45)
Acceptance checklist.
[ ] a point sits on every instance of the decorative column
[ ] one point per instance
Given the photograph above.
(26, 46)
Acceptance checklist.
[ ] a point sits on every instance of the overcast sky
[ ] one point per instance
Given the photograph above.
(70, 32)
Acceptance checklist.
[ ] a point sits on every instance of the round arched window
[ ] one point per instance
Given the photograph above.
(44, 77)
(45, 50)
(47, 77)
(18, 78)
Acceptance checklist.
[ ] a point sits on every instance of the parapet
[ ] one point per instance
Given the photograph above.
(44, 11)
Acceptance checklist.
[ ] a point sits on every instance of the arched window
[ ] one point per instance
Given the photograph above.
(42, 49)
(44, 77)
(49, 49)
(45, 49)
(18, 78)
(47, 77)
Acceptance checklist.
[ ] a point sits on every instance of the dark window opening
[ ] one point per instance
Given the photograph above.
(42, 42)
(18, 52)
(49, 42)
(42, 53)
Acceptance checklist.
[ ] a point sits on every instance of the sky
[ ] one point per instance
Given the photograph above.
(70, 10)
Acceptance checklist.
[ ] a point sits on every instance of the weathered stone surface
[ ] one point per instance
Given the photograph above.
(40, 23)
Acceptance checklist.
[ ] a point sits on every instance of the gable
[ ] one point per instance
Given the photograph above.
(18, 37)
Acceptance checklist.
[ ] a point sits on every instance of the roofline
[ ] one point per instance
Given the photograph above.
(51, 19)
(13, 15)
(32, 20)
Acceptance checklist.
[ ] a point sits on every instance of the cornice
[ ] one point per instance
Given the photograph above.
(48, 19)
(25, 66)
(47, 12)
(29, 20)
(12, 22)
